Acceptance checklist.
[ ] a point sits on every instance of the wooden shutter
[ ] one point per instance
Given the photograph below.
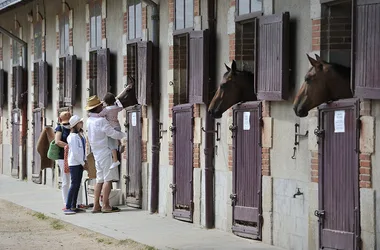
(103, 77)
(42, 84)
(272, 79)
(70, 83)
(198, 66)
(367, 47)
(144, 68)
(3, 89)
(19, 86)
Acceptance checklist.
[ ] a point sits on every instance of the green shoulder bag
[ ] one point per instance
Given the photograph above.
(53, 152)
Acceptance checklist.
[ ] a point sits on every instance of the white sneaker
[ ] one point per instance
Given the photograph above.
(115, 164)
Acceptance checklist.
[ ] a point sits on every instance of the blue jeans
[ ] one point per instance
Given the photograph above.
(76, 173)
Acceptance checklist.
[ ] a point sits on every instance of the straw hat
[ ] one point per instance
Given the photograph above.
(93, 102)
(64, 117)
(74, 120)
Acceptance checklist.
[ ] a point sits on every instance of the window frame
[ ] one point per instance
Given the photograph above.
(135, 37)
(180, 35)
(62, 31)
(92, 5)
(185, 29)
(246, 17)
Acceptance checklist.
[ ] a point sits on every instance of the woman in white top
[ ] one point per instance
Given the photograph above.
(76, 160)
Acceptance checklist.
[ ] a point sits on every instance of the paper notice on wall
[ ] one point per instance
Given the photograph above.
(246, 121)
(339, 121)
(134, 122)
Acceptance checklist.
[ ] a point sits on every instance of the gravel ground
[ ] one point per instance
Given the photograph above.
(21, 228)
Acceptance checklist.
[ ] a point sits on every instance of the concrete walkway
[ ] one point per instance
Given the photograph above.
(137, 225)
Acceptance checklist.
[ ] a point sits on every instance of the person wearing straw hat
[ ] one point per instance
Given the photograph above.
(62, 131)
(98, 131)
(76, 161)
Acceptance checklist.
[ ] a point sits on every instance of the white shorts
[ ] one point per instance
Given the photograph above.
(103, 171)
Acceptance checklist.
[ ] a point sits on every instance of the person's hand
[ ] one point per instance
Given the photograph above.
(85, 166)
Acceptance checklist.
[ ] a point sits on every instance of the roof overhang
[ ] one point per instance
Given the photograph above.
(6, 5)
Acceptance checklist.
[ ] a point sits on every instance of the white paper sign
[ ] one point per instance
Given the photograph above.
(118, 103)
(339, 121)
(134, 119)
(246, 121)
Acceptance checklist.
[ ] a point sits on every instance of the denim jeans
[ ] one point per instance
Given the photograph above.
(76, 173)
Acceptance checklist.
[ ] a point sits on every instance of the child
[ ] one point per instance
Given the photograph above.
(76, 161)
(110, 113)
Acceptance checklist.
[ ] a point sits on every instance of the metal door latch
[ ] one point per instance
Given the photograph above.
(233, 198)
(319, 213)
(173, 187)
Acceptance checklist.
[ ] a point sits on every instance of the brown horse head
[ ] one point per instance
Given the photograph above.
(236, 86)
(128, 96)
(324, 82)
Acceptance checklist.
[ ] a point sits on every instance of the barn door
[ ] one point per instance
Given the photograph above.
(246, 196)
(182, 185)
(102, 74)
(42, 84)
(36, 162)
(134, 178)
(339, 214)
(70, 83)
(15, 158)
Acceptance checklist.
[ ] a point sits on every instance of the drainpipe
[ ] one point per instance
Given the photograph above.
(155, 109)
(210, 122)
(24, 108)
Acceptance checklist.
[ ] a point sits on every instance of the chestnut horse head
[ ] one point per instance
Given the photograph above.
(324, 82)
(128, 96)
(236, 86)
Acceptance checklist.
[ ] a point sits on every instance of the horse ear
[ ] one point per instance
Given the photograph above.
(233, 66)
(228, 68)
(312, 61)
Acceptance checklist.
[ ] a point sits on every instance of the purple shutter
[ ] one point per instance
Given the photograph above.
(144, 68)
(273, 57)
(198, 66)
(367, 47)
(18, 75)
(3, 91)
(70, 83)
(42, 85)
(103, 77)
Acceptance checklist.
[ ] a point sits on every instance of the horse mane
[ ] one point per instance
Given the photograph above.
(343, 71)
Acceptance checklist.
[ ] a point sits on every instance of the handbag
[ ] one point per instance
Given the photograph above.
(53, 152)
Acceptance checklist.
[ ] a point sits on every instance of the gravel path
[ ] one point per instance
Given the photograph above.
(21, 228)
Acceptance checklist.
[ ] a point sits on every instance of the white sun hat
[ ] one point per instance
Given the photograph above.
(74, 120)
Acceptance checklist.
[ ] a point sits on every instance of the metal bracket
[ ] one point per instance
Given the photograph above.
(297, 136)
(162, 130)
(214, 131)
(319, 132)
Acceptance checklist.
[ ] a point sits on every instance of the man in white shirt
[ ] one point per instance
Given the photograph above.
(99, 129)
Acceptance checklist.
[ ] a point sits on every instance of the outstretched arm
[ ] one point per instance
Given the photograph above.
(111, 132)
(103, 113)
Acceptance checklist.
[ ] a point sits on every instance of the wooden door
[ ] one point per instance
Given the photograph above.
(36, 162)
(182, 186)
(339, 204)
(15, 158)
(246, 172)
(134, 157)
